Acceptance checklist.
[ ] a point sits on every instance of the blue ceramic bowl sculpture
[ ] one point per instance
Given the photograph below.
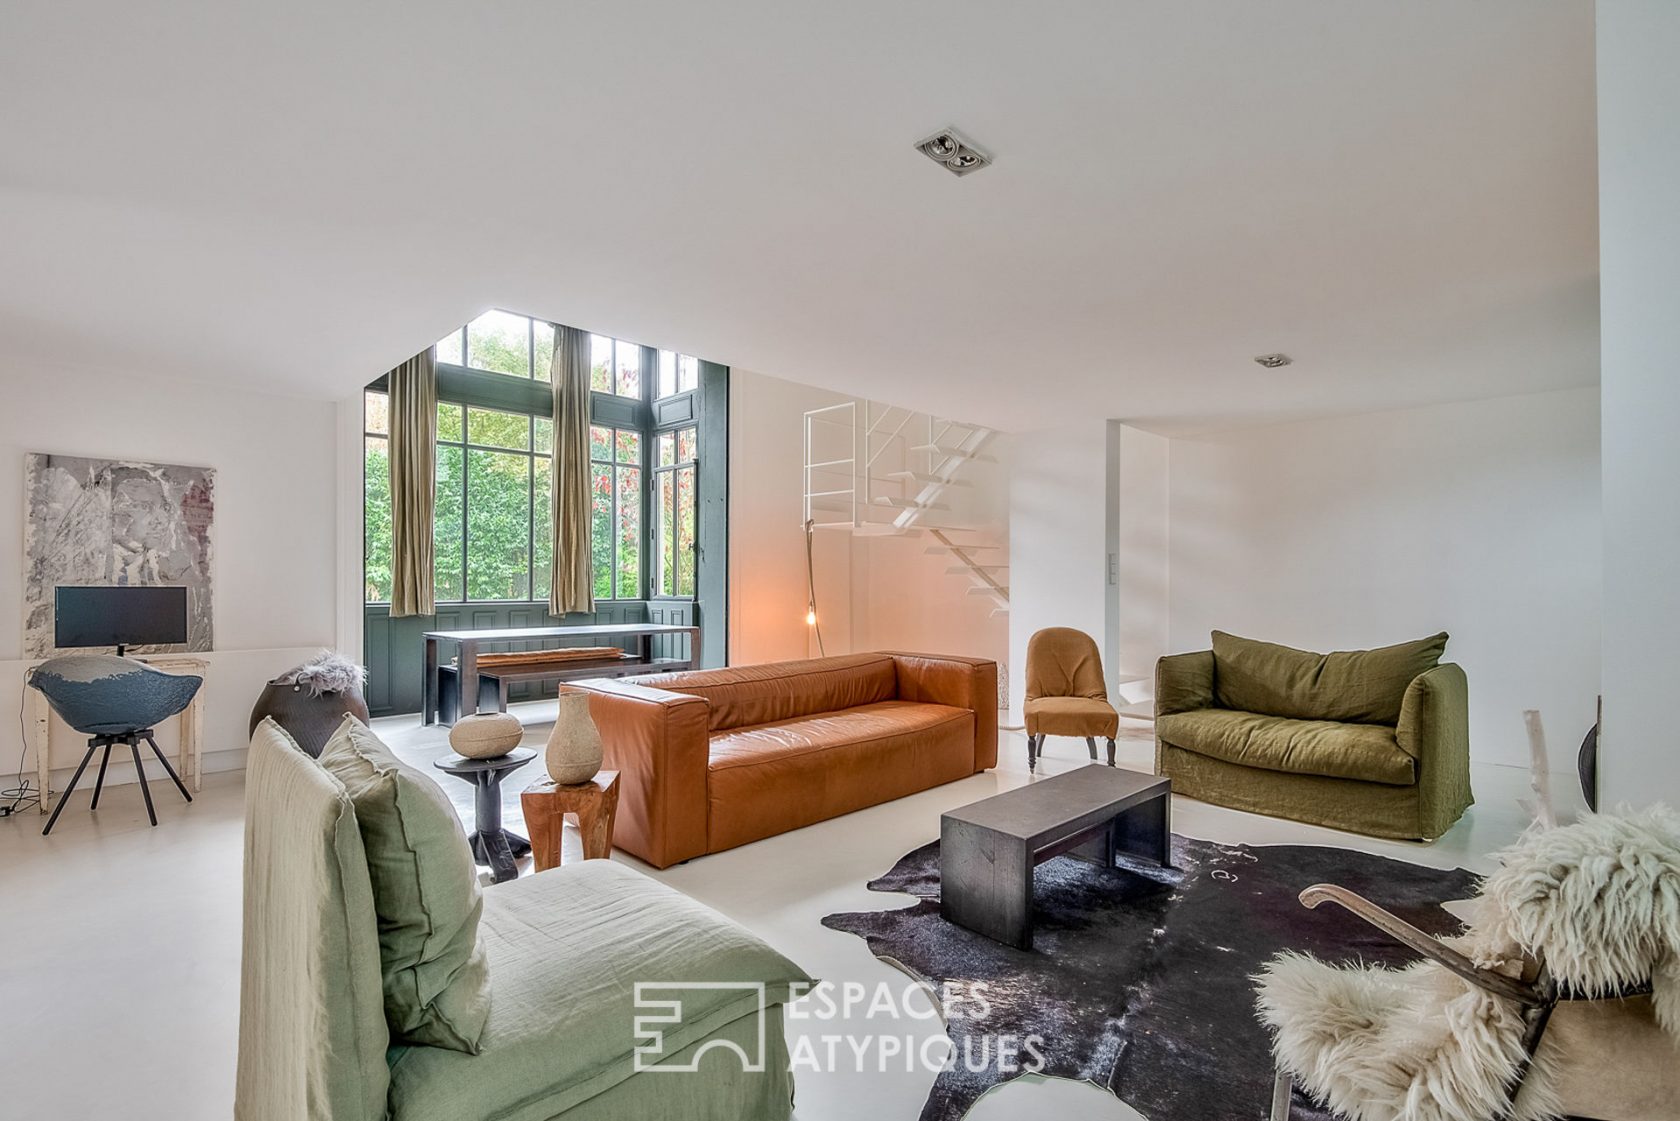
(103, 695)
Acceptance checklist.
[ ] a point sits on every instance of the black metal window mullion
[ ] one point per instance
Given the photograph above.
(613, 526)
(466, 490)
(649, 386)
(466, 467)
(531, 504)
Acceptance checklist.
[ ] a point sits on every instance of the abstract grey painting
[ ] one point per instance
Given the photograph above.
(106, 521)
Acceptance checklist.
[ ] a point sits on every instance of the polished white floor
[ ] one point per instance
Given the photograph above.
(119, 944)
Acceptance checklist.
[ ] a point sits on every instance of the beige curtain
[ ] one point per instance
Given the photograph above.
(572, 587)
(413, 410)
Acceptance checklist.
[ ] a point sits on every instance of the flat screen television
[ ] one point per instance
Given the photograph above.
(118, 616)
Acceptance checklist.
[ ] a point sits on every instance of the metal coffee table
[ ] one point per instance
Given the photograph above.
(987, 851)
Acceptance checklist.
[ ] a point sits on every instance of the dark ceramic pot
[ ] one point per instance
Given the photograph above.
(308, 718)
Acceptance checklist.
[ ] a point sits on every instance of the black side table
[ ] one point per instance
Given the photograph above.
(491, 844)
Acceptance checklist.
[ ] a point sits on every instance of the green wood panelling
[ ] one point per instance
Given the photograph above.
(394, 651)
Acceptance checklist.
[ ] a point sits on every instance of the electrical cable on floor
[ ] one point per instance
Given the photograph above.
(24, 793)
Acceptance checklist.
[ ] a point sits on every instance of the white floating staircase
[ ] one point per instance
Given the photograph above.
(879, 470)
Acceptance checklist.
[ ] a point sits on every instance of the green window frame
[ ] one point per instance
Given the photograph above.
(674, 493)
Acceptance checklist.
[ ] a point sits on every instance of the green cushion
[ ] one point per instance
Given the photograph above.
(312, 1033)
(1352, 686)
(425, 890)
(1367, 752)
(567, 949)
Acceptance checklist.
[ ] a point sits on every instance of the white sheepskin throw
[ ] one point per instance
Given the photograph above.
(328, 672)
(1598, 901)
(1416, 1044)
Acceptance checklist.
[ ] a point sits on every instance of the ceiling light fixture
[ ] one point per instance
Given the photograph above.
(1273, 361)
(956, 152)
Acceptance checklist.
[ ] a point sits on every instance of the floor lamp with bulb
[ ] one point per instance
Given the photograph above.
(811, 589)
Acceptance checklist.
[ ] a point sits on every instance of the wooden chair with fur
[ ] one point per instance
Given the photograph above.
(1561, 1000)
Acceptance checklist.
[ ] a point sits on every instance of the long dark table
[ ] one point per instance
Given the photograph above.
(987, 850)
(467, 645)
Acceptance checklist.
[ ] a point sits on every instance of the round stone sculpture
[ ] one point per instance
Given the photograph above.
(574, 747)
(485, 735)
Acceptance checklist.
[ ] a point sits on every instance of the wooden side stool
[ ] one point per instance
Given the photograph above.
(546, 804)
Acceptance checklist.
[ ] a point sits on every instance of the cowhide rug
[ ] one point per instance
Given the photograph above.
(1138, 979)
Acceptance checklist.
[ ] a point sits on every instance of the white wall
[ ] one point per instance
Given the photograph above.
(274, 538)
(872, 592)
(767, 590)
(1058, 540)
(1480, 519)
(1639, 227)
(1141, 563)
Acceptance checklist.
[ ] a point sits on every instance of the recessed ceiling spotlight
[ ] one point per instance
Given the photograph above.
(1273, 361)
(956, 152)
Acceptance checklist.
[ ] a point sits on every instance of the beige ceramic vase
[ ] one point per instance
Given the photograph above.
(573, 754)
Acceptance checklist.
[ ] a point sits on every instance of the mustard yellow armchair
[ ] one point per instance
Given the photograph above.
(1066, 695)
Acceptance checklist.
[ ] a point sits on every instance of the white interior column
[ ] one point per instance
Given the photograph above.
(1058, 536)
(1639, 223)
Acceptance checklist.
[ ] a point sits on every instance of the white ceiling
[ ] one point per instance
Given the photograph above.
(1401, 195)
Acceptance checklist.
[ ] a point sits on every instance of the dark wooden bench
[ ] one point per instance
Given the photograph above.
(497, 671)
(473, 663)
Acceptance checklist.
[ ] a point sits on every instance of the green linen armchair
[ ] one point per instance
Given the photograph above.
(1371, 741)
(568, 1030)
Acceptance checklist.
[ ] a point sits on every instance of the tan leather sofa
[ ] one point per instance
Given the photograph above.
(712, 759)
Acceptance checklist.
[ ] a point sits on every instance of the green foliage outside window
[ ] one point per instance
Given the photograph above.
(376, 535)
(600, 529)
(542, 527)
(500, 342)
(448, 557)
(493, 526)
(492, 507)
(615, 479)
(497, 429)
(498, 525)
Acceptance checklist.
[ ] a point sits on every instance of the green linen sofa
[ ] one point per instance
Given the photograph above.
(566, 949)
(1370, 741)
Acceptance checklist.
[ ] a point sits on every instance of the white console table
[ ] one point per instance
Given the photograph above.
(187, 756)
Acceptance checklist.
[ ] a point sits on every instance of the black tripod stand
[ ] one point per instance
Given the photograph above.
(132, 739)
